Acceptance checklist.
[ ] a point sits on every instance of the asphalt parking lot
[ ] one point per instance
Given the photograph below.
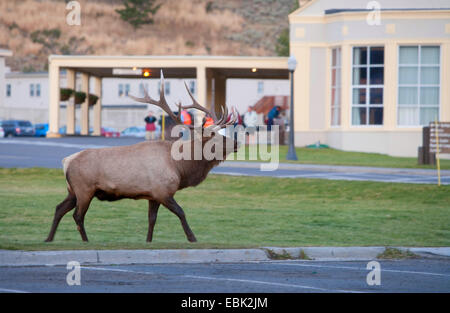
(410, 275)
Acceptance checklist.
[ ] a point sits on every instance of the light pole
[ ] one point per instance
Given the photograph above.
(291, 155)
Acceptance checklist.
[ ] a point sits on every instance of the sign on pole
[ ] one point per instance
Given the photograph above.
(440, 134)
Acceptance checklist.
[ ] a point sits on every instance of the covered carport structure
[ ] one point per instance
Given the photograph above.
(210, 72)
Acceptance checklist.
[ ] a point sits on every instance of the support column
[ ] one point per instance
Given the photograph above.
(70, 110)
(220, 92)
(201, 86)
(209, 88)
(54, 96)
(98, 106)
(85, 105)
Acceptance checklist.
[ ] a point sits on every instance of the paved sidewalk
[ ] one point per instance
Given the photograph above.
(104, 257)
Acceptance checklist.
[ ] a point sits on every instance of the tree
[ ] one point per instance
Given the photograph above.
(138, 12)
(282, 46)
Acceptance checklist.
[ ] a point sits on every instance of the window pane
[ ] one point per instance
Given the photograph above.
(336, 116)
(376, 95)
(376, 75)
(375, 116)
(333, 77)
(359, 116)
(360, 56)
(407, 95)
(408, 116)
(428, 115)
(333, 57)
(429, 95)
(338, 57)
(359, 96)
(429, 55)
(408, 75)
(167, 88)
(335, 96)
(338, 77)
(429, 75)
(409, 55)
(359, 76)
(377, 55)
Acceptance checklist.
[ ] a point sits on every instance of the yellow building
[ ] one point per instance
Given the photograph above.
(370, 74)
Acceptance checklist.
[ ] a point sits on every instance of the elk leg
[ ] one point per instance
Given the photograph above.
(78, 216)
(61, 209)
(173, 206)
(152, 214)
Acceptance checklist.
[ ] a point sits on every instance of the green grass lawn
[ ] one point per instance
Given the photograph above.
(228, 212)
(338, 157)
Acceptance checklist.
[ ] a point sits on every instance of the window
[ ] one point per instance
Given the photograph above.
(120, 90)
(192, 86)
(167, 88)
(38, 90)
(260, 87)
(31, 90)
(8, 90)
(418, 85)
(127, 89)
(336, 87)
(367, 85)
(142, 88)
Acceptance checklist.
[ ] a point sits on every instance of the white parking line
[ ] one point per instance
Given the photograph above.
(360, 269)
(270, 283)
(226, 279)
(12, 290)
(50, 143)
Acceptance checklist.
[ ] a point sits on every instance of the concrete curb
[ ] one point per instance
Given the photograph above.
(337, 168)
(105, 257)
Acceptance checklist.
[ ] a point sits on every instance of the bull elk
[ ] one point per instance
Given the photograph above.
(141, 171)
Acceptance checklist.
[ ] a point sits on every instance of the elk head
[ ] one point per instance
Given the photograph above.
(197, 133)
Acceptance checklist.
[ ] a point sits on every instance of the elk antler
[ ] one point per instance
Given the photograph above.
(162, 103)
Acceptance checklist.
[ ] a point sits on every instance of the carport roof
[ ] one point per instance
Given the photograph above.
(177, 66)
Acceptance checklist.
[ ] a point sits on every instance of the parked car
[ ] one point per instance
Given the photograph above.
(133, 132)
(109, 132)
(2, 132)
(14, 128)
(40, 130)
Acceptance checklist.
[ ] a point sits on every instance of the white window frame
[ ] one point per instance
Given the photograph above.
(338, 68)
(368, 86)
(418, 85)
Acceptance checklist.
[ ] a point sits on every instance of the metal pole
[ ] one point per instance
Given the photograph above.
(291, 155)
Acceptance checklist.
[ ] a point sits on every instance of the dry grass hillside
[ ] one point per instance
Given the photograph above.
(33, 29)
